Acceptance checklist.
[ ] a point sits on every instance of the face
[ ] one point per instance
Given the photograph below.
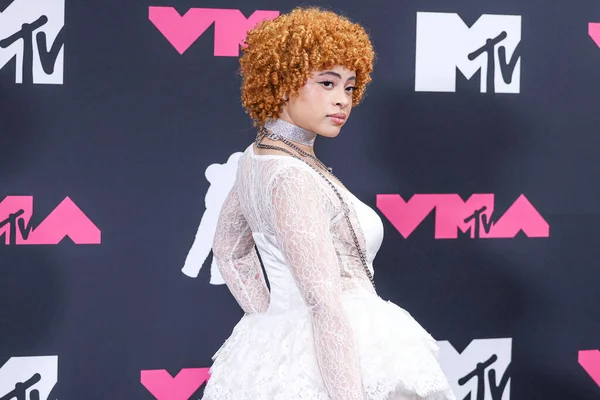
(324, 103)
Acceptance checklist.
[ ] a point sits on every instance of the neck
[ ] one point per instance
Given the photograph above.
(291, 132)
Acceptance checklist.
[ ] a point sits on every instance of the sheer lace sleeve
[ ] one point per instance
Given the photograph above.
(298, 208)
(233, 249)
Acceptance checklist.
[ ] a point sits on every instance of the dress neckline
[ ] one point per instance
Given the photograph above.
(268, 156)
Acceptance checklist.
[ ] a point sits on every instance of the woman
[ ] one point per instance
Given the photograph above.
(321, 331)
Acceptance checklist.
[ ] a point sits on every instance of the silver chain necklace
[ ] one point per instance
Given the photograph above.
(274, 136)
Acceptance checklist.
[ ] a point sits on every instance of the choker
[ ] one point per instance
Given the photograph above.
(291, 131)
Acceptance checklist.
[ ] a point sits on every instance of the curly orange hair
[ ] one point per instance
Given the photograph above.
(280, 54)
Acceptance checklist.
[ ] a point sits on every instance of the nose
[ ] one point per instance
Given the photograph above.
(341, 97)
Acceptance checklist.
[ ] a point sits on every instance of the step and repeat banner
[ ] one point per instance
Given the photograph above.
(120, 130)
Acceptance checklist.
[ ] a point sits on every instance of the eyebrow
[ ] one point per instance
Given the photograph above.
(352, 78)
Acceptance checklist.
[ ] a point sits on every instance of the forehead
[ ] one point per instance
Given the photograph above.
(337, 70)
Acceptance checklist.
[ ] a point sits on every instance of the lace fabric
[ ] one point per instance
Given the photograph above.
(285, 198)
(282, 206)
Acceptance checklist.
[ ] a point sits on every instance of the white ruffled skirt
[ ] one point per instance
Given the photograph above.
(272, 356)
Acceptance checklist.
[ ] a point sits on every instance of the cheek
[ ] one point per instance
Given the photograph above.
(314, 96)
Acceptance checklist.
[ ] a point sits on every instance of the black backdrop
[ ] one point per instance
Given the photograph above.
(129, 127)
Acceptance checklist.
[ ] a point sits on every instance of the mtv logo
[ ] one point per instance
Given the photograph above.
(31, 33)
(453, 214)
(221, 178)
(590, 361)
(231, 26)
(446, 44)
(163, 386)
(594, 32)
(28, 377)
(481, 371)
(65, 220)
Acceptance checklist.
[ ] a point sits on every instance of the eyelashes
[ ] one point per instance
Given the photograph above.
(324, 83)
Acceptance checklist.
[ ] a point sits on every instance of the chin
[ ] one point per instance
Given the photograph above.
(330, 131)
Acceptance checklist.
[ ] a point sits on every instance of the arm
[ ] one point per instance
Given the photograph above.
(233, 249)
(298, 208)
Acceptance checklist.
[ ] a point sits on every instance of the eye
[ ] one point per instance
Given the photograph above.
(325, 83)
(351, 89)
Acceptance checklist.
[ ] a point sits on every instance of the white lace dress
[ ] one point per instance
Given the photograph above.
(321, 332)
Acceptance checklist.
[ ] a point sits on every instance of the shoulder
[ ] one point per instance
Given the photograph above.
(298, 185)
(291, 171)
(283, 176)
